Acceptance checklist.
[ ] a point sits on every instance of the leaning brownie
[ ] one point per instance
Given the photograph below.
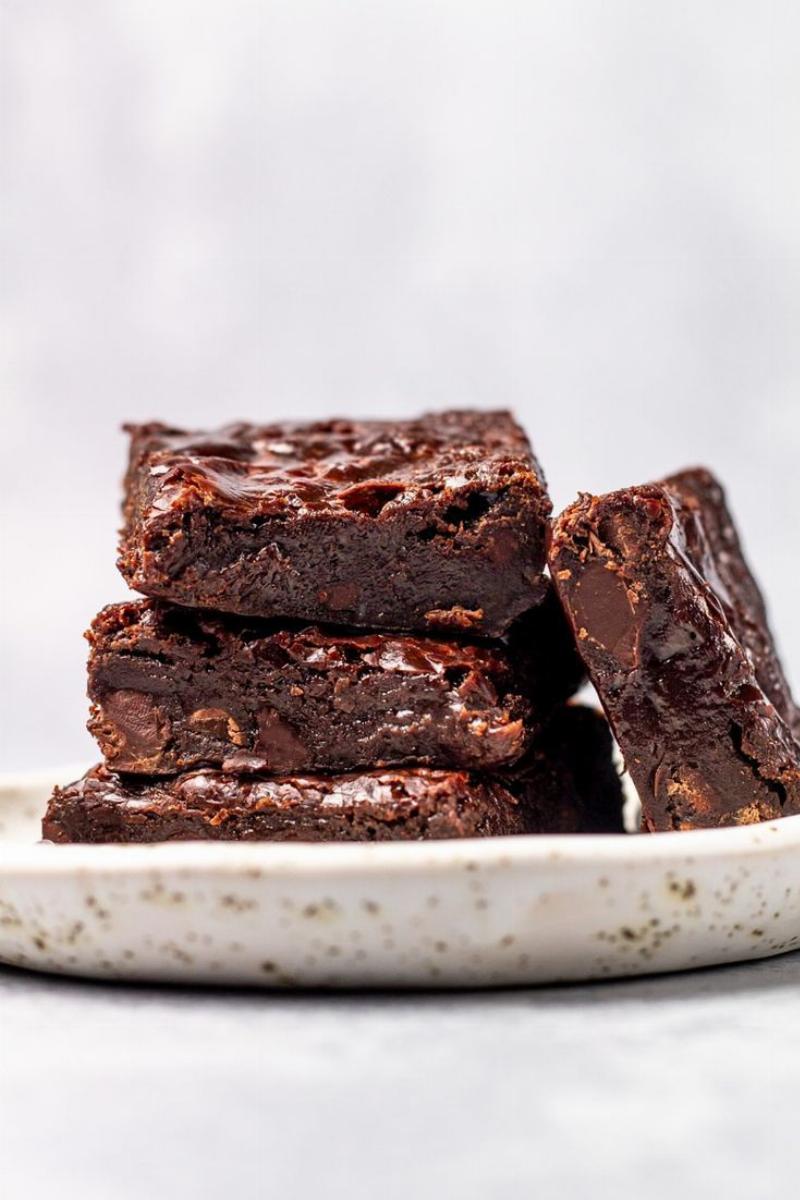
(434, 524)
(566, 784)
(174, 688)
(673, 630)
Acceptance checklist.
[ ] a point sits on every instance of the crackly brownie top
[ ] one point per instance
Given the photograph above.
(391, 793)
(151, 627)
(362, 467)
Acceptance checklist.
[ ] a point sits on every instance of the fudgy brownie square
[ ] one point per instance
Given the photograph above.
(175, 688)
(567, 783)
(438, 523)
(673, 629)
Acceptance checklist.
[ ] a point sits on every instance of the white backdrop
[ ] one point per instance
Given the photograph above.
(587, 211)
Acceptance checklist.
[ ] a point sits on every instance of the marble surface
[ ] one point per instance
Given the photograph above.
(674, 1087)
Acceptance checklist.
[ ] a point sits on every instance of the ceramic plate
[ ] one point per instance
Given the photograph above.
(452, 914)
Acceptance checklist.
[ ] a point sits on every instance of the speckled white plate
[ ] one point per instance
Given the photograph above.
(451, 914)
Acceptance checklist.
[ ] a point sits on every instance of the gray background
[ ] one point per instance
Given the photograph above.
(683, 1088)
(587, 211)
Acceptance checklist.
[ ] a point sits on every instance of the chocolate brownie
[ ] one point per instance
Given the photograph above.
(438, 523)
(672, 627)
(173, 688)
(568, 781)
(566, 784)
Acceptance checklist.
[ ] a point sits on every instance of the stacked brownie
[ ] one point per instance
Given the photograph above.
(348, 634)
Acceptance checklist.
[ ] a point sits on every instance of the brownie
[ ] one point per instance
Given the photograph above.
(672, 627)
(438, 523)
(172, 688)
(566, 784)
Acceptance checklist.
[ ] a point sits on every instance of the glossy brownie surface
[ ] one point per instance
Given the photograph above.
(566, 783)
(717, 550)
(672, 627)
(433, 524)
(210, 805)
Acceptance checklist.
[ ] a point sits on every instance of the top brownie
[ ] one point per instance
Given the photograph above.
(438, 523)
(673, 629)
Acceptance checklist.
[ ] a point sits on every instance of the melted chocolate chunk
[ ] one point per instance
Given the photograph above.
(438, 523)
(673, 629)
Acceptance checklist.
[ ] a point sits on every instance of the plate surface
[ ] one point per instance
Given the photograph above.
(451, 914)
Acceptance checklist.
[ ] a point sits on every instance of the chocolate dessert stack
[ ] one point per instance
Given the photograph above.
(347, 634)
